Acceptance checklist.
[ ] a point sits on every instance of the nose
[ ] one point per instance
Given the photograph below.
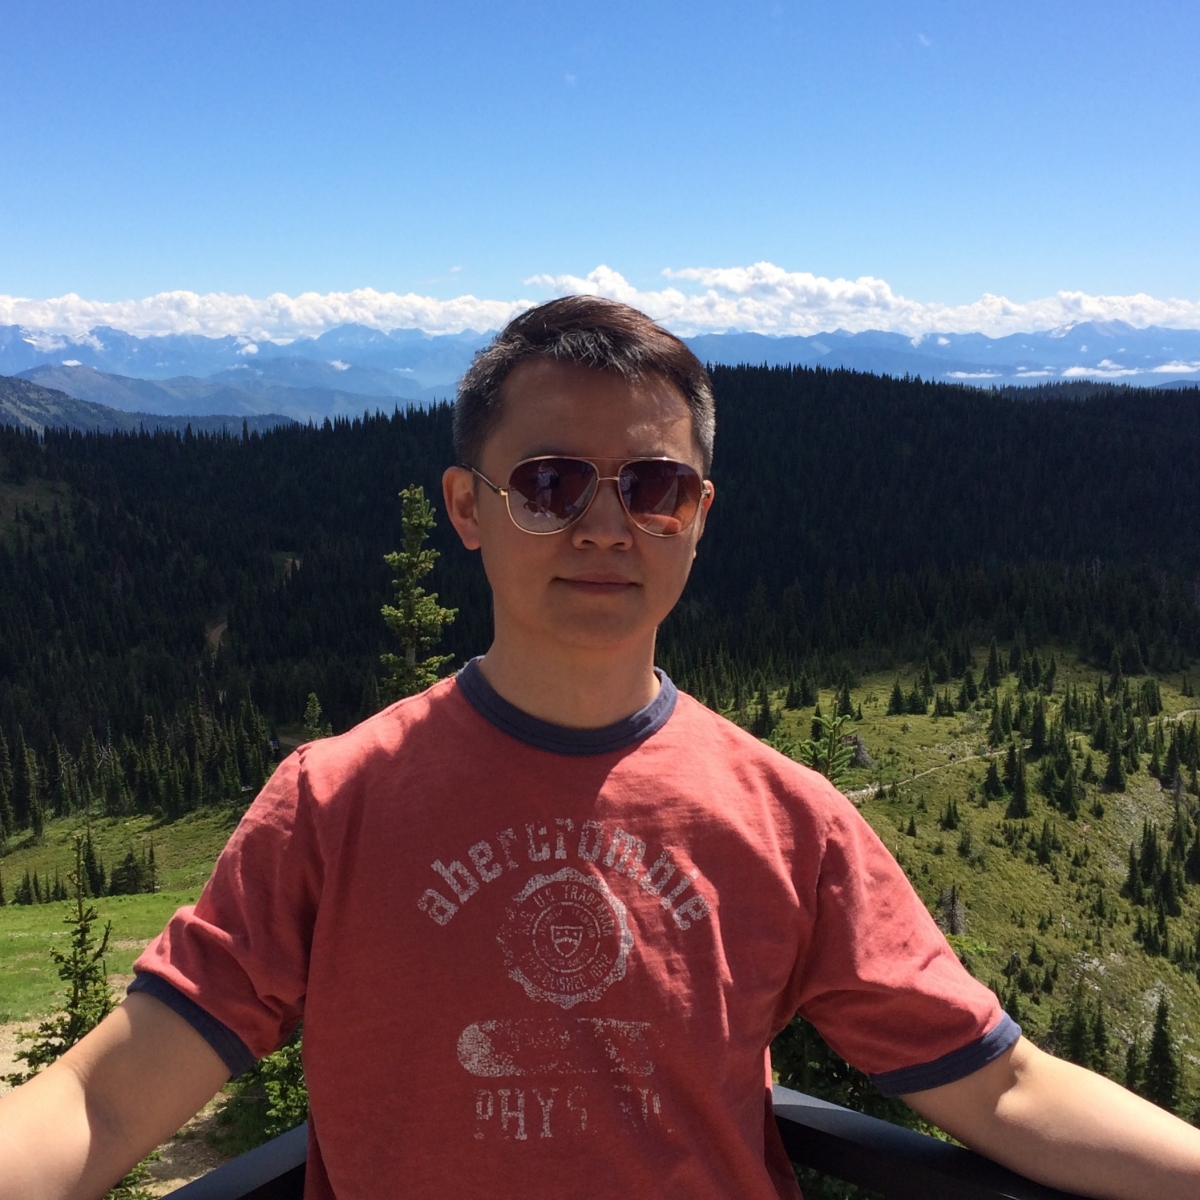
(606, 524)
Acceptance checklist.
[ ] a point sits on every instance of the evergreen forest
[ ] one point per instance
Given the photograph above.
(861, 522)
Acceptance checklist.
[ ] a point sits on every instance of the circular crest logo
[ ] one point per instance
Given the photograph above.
(566, 938)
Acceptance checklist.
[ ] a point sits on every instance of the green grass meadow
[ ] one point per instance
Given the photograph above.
(184, 852)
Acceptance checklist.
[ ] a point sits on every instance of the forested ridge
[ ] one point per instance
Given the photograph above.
(860, 521)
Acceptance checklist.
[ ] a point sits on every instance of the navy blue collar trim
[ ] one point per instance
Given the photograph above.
(560, 739)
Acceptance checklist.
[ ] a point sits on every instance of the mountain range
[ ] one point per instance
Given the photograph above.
(27, 405)
(354, 368)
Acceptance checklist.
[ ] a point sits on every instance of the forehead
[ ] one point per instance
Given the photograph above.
(549, 407)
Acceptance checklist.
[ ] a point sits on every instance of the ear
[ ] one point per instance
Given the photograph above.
(458, 492)
(706, 500)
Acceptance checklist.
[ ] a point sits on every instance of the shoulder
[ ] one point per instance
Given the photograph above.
(717, 749)
(418, 727)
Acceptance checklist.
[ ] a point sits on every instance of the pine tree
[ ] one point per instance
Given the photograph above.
(314, 728)
(7, 824)
(1134, 1066)
(37, 813)
(22, 781)
(416, 618)
(1099, 1062)
(764, 720)
(1078, 1042)
(992, 673)
(993, 788)
(87, 1000)
(92, 873)
(896, 705)
(1010, 767)
(995, 733)
(1162, 1071)
(829, 754)
(1018, 806)
(1006, 716)
(1050, 676)
(1037, 732)
(817, 727)
(1114, 776)
(927, 688)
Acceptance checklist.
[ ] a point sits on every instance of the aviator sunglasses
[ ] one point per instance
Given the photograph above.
(549, 493)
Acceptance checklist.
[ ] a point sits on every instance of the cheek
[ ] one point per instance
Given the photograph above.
(514, 561)
(671, 568)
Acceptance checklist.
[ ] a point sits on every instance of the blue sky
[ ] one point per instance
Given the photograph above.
(949, 149)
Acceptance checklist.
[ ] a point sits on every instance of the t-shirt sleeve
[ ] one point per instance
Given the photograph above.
(241, 952)
(879, 980)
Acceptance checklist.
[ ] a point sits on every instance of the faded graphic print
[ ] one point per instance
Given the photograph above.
(565, 938)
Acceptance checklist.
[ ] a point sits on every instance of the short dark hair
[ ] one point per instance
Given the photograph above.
(591, 332)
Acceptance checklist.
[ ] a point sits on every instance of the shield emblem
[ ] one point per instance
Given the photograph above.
(566, 938)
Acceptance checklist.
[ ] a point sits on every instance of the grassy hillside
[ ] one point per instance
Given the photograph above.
(1012, 901)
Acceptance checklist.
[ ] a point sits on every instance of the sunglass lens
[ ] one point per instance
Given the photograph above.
(547, 494)
(661, 497)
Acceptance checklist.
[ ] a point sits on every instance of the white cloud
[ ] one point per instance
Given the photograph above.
(276, 318)
(1106, 370)
(765, 298)
(71, 362)
(761, 298)
(1177, 368)
(972, 374)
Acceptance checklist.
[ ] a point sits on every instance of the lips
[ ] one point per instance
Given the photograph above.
(599, 584)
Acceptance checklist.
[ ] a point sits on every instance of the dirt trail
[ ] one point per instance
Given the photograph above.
(9, 1046)
(862, 795)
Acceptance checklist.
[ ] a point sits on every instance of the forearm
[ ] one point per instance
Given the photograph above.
(1067, 1127)
(45, 1140)
(71, 1132)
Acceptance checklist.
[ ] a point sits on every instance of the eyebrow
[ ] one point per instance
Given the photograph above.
(546, 451)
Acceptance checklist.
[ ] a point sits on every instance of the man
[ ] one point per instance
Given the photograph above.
(542, 921)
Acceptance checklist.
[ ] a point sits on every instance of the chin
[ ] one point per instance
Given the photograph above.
(599, 631)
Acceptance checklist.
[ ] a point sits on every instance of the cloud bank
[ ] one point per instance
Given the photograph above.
(762, 298)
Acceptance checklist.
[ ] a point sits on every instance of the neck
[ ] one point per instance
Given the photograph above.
(581, 688)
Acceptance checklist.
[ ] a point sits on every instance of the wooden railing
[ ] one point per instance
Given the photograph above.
(896, 1163)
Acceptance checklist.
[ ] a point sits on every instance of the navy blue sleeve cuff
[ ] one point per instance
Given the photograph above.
(958, 1064)
(233, 1052)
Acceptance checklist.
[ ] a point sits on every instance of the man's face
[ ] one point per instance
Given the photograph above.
(602, 582)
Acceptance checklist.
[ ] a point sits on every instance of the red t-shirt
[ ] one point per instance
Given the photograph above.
(535, 961)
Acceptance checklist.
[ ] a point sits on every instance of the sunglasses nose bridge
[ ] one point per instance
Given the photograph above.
(588, 509)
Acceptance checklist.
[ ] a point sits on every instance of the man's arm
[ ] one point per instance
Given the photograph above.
(75, 1129)
(1067, 1127)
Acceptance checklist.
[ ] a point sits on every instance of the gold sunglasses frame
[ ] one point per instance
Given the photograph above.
(705, 492)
